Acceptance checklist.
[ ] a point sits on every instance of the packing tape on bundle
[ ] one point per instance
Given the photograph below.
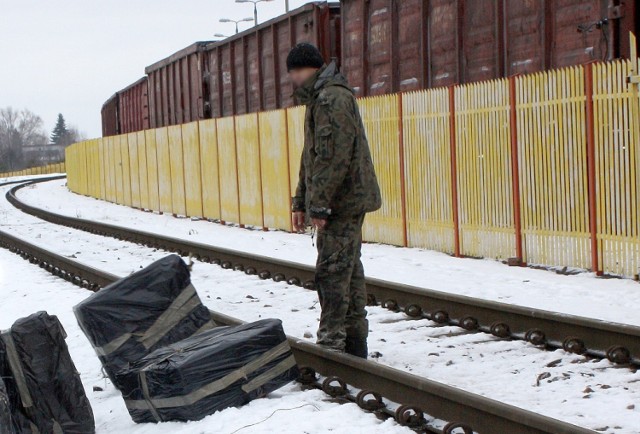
(151, 404)
(177, 311)
(16, 369)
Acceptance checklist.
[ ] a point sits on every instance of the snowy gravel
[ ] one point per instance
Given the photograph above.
(594, 394)
(583, 294)
(288, 410)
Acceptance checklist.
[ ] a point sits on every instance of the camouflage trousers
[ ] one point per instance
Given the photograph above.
(340, 283)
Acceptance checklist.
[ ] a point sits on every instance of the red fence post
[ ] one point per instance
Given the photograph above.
(235, 145)
(403, 189)
(591, 167)
(454, 170)
(515, 171)
(221, 220)
(291, 193)
(264, 228)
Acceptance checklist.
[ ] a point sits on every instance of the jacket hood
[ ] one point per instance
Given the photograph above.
(330, 76)
(326, 76)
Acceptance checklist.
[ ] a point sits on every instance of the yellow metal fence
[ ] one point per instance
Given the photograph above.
(544, 168)
(553, 152)
(484, 169)
(39, 170)
(617, 161)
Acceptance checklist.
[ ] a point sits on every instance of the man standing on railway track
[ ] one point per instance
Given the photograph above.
(337, 187)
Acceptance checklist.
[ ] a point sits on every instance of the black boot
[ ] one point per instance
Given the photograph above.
(356, 347)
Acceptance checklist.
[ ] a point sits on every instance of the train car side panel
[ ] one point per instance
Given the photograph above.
(391, 45)
(109, 115)
(524, 43)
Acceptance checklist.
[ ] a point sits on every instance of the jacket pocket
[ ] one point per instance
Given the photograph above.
(335, 255)
(324, 142)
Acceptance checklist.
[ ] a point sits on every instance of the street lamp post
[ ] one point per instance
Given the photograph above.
(255, 7)
(227, 20)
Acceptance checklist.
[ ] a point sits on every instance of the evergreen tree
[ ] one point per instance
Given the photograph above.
(60, 133)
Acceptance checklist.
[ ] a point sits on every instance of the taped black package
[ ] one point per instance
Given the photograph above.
(223, 367)
(6, 427)
(44, 388)
(140, 313)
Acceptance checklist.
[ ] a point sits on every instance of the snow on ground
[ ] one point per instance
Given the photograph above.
(594, 394)
(583, 294)
(27, 177)
(288, 410)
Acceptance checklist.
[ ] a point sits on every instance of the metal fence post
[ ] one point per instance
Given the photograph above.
(286, 126)
(591, 167)
(235, 145)
(403, 193)
(515, 171)
(264, 228)
(454, 171)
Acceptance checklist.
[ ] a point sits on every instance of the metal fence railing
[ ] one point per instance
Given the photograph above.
(543, 168)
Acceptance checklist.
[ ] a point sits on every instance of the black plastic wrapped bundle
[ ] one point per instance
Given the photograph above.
(221, 368)
(6, 426)
(149, 309)
(42, 383)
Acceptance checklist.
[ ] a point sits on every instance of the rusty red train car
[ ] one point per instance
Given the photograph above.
(241, 74)
(383, 46)
(247, 72)
(109, 115)
(176, 92)
(392, 45)
(133, 107)
(127, 110)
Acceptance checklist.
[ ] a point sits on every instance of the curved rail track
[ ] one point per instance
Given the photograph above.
(620, 343)
(421, 399)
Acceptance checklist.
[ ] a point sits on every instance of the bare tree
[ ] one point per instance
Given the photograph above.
(18, 129)
(74, 135)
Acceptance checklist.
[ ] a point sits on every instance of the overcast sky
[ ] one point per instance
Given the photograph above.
(70, 56)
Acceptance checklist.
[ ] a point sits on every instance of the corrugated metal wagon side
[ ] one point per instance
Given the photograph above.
(133, 107)
(247, 72)
(383, 45)
(109, 115)
(391, 45)
(176, 88)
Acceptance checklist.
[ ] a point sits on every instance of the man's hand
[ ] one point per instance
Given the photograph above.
(319, 224)
(297, 218)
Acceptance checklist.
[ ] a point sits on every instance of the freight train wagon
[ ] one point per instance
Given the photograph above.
(402, 45)
(242, 74)
(247, 72)
(109, 115)
(127, 110)
(176, 87)
(384, 46)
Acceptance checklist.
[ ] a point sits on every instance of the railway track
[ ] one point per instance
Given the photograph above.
(421, 399)
(619, 343)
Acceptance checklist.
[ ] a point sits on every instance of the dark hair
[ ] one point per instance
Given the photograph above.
(304, 55)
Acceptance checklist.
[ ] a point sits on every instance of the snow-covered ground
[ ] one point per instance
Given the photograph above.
(594, 394)
(584, 294)
(288, 410)
(21, 178)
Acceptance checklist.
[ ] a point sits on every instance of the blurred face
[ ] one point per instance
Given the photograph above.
(300, 75)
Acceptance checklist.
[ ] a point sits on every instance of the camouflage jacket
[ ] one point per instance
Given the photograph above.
(337, 176)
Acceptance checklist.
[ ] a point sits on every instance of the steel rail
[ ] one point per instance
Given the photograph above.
(482, 415)
(620, 343)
